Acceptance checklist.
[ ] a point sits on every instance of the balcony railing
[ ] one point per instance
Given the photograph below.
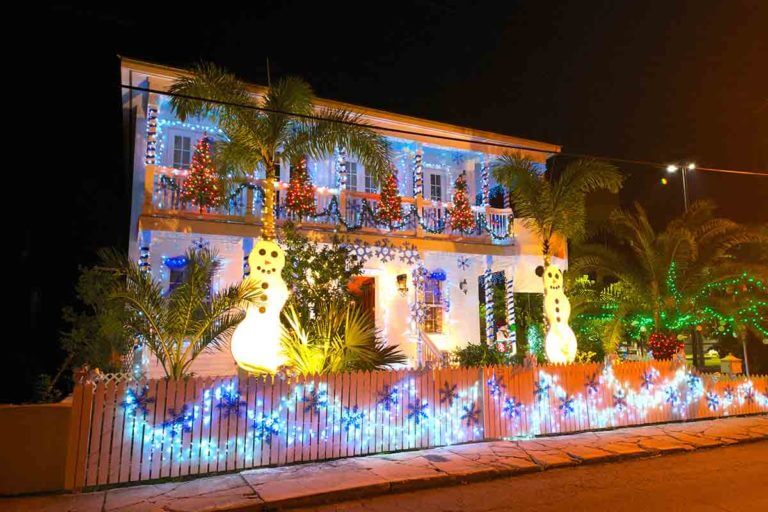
(350, 210)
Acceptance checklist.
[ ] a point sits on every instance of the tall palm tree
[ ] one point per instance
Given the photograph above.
(179, 325)
(663, 274)
(554, 206)
(283, 122)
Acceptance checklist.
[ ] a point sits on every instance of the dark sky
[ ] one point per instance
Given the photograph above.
(659, 80)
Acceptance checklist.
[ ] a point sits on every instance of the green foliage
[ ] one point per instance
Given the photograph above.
(179, 325)
(554, 206)
(479, 355)
(95, 336)
(535, 339)
(317, 273)
(338, 337)
(257, 139)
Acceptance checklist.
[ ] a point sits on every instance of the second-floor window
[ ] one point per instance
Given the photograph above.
(370, 184)
(435, 187)
(351, 176)
(182, 151)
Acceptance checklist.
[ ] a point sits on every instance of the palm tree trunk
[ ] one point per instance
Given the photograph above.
(268, 215)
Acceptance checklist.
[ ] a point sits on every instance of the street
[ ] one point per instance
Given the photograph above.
(725, 479)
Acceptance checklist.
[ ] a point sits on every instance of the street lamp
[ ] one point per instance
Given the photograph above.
(673, 168)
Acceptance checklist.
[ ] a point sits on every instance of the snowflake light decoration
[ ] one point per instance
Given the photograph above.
(315, 400)
(671, 395)
(567, 404)
(266, 427)
(712, 401)
(648, 379)
(728, 392)
(385, 251)
(620, 400)
(137, 400)
(462, 262)
(361, 249)
(471, 414)
(417, 411)
(388, 397)
(448, 394)
(229, 401)
(541, 390)
(694, 384)
(409, 254)
(418, 312)
(512, 407)
(496, 385)
(749, 395)
(181, 421)
(352, 417)
(592, 384)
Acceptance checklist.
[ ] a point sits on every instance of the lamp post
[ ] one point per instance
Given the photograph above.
(673, 168)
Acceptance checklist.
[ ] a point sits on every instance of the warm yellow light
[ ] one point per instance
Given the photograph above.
(671, 168)
(691, 166)
(256, 340)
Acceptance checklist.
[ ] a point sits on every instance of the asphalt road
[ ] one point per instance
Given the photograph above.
(721, 479)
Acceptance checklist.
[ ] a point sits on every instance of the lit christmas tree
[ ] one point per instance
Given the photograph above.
(202, 186)
(300, 196)
(391, 204)
(462, 218)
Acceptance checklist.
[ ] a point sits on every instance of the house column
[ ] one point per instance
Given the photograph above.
(418, 174)
(341, 169)
(247, 248)
(145, 242)
(490, 331)
(509, 274)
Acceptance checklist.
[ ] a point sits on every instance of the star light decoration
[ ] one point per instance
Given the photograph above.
(388, 397)
(512, 407)
(448, 394)
(137, 399)
(417, 410)
(471, 414)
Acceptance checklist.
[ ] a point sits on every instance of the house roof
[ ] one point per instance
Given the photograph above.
(432, 132)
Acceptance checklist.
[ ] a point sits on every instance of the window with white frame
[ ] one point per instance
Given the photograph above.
(370, 183)
(435, 187)
(351, 176)
(182, 151)
(433, 301)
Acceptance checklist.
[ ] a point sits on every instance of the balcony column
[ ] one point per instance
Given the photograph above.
(490, 331)
(341, 183)
(153, 111)
(145, 243)
(485, 182)
(247, 248)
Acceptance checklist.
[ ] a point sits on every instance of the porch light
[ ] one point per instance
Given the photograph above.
(402, 284)
(463, 286)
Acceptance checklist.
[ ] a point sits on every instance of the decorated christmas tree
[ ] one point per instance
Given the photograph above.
(300, 196)
(202, 186)
(391, 205)
(462, 218)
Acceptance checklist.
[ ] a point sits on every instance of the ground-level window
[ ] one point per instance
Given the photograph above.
(435, 187)
(177, 277)
(433, 301)
(370, 183)
(182, 151)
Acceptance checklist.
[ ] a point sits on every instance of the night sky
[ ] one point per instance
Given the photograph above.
(658, 81)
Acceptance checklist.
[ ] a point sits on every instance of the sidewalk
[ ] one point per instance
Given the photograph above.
(313, 483)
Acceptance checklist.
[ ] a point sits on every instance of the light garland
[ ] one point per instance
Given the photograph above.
(490, 331)
(418, 174)
(150, 157)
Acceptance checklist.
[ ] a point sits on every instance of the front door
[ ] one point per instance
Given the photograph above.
(363, 288)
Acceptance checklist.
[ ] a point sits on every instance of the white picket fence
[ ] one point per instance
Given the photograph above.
(124, 431)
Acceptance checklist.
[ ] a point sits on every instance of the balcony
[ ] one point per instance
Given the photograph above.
(344, 210)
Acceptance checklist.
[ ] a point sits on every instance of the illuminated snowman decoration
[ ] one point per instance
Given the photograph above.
(560, 344)
(256, 340)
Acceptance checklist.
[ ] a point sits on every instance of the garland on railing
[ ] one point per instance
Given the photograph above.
(368, 216)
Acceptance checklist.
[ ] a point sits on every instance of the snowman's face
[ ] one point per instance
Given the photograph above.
(553, 279)
(266, 258)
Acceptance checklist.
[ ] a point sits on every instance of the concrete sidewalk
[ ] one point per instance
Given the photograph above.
(313, 483)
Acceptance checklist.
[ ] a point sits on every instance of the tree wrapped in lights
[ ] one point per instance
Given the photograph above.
(391, 205)
(462, 218)
(202, 186)
(300, 196)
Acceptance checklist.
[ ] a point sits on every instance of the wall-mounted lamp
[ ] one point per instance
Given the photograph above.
(463, 286)
(402, 284)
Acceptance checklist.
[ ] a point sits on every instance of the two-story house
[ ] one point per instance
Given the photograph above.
(424, 319)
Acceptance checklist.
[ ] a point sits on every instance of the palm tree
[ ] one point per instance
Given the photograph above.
(179, 325)
(282, 122)
(664, 274)
(554, 206)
